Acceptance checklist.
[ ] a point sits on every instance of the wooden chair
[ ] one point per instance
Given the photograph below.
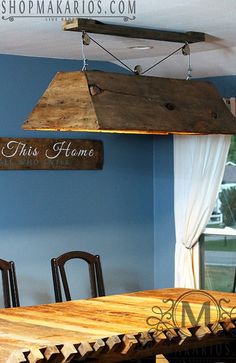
(234, 283)
(59, 274)
(9, 284)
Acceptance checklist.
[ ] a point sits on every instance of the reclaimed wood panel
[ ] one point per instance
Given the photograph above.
(159, 105)
(111, 328)
(64, 104)
(96, 101)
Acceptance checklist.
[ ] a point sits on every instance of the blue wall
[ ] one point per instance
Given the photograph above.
(45, 213)
(226, 85)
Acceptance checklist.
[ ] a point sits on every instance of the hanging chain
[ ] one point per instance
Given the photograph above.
(189, 74)
(186, 51)
(85, 61)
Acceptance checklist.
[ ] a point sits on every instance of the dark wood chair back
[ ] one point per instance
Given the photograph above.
(234, 282)
(9, 284)
(59, 274)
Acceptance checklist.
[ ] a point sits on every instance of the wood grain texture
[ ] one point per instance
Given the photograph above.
(98, 27)
(108, 102)
(159, 105)
(64, 104)
(110, 328)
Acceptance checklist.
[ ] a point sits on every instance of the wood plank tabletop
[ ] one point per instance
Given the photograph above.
(118, 327)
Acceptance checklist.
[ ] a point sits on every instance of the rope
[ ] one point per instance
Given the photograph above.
(85, 64)
(162, 60)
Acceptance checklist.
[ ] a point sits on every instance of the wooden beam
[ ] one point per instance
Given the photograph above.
(93, 26)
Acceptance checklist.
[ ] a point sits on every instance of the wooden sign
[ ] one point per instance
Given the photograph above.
(56, 154)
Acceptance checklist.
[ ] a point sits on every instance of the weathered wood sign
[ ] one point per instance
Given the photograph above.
(57, 154)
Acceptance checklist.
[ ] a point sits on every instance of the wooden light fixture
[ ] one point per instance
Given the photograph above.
(109, 102)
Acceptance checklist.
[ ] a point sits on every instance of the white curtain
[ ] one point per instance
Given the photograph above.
(199, 163)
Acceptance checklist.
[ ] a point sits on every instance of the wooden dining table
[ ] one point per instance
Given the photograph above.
(141, 326)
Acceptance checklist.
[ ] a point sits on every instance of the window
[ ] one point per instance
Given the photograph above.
(218, 243)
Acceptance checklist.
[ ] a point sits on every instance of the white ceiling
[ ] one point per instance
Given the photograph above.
(215, 57)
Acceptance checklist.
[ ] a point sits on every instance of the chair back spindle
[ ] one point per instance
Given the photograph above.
(60, 279)
(9, 284)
